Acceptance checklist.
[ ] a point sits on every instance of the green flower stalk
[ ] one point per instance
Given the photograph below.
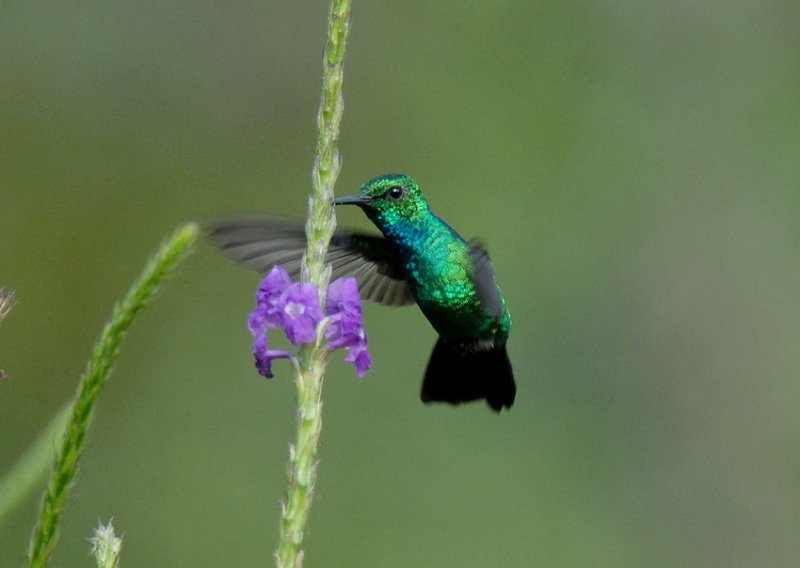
(98, 369)
(319, 229)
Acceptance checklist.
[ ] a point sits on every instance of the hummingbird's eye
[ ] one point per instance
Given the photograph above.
(395, 193)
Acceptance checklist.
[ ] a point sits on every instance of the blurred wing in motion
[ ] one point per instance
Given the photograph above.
(259, 242)
(485, 284)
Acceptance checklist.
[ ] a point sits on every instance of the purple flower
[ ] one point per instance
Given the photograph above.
(295, 308)
(269, 292)
(359, 356)
(267, 315)
(343, 298)
(300, 312)
(346, 329)
(264, 356)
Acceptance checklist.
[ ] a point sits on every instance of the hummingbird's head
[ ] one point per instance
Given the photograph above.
(389, 199)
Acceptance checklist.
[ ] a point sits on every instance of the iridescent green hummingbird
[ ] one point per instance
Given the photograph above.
(419, 259)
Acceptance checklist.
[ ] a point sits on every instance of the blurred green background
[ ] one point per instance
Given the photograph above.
(633, 167)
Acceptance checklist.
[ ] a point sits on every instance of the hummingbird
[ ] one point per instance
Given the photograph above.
(418, 258)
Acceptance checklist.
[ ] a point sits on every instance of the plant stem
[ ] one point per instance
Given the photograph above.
(319, 229)
(98, 370)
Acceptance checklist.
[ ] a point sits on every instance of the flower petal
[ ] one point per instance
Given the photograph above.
(269, 292)
(300, 312)
(274, 283)
(359, 356)
(263, 362)
(343, 297)
(264, 356)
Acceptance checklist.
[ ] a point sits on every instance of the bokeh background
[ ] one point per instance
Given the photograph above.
(634, 167)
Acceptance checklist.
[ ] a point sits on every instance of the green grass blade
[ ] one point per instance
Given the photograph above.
(25, 475)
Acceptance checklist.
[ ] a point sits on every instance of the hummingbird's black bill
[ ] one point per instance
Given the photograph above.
(357, 199)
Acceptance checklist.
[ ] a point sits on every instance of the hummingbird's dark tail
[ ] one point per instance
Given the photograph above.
(455, 376)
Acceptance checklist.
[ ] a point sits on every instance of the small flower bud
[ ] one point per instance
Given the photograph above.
(106, 546)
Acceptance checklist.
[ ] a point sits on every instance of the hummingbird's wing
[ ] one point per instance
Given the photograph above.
(259, 242)
(485, 284)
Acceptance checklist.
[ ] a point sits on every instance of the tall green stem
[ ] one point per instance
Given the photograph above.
(319, 229)
(98, 370)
